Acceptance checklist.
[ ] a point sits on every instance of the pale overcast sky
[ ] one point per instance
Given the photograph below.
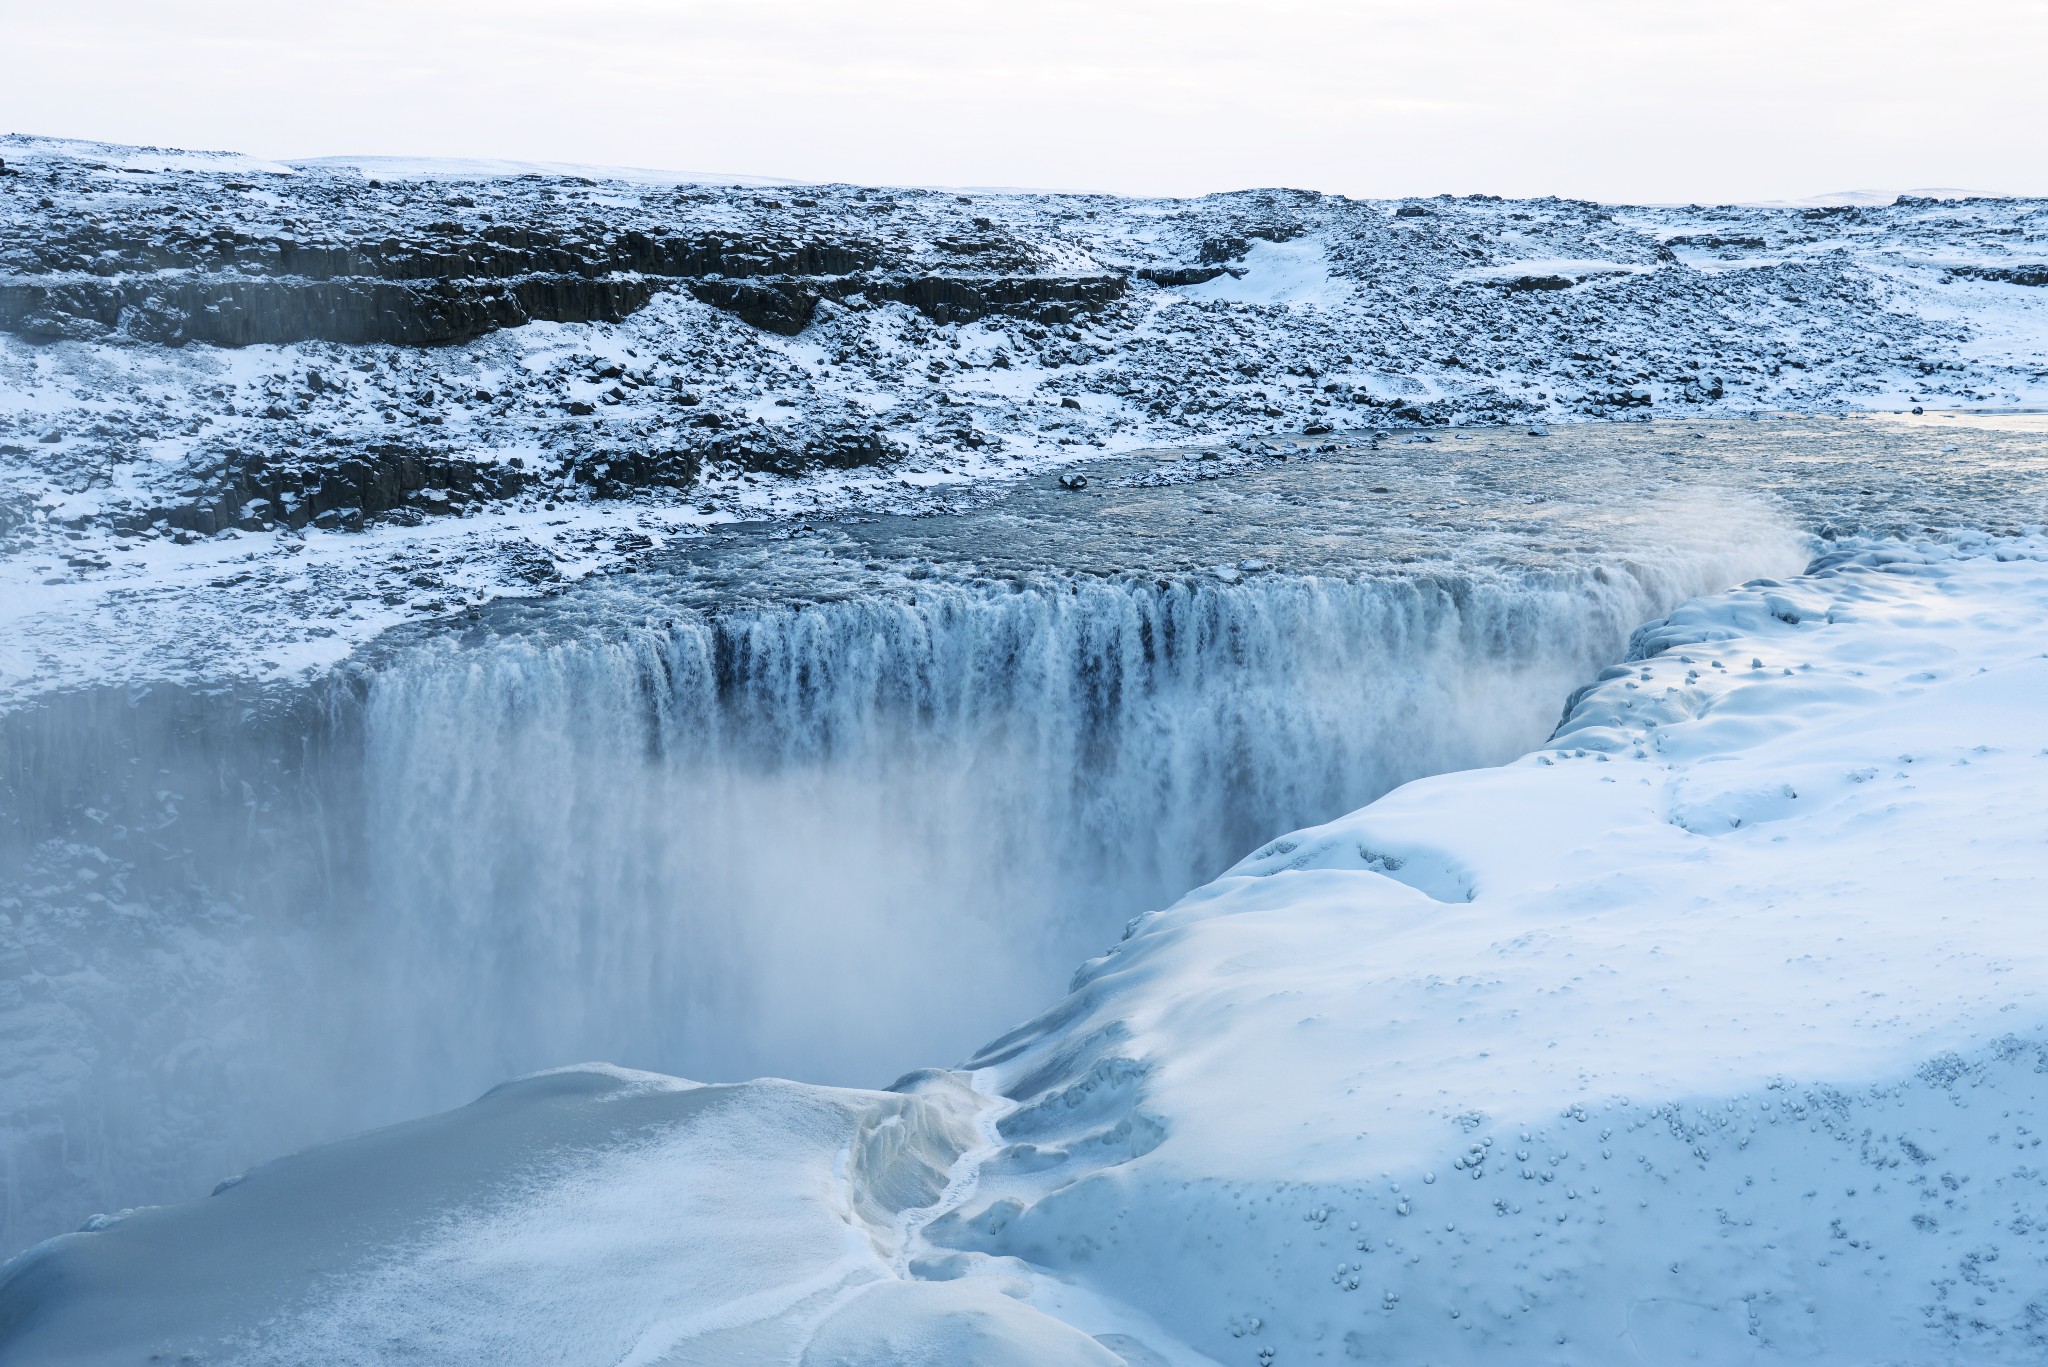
(1610, 99)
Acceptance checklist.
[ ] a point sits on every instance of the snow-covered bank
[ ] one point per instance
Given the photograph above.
(1715, 1030)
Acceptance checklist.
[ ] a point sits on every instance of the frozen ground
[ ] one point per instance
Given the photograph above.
(1712, 1030)
(525, 371)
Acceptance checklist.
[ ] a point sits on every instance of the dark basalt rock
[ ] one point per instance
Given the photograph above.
(380, 276)
(615, 474)
(251, 490)
(783, 306)
(2030, 274)
(963, 299)
(349, 487)
(755, 448)
(1718, 242)
(1532, 282)
(1180, 275)
(247, 312)
(449, 251)
(787, 305)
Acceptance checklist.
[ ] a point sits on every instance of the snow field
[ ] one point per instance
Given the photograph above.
(682, 840)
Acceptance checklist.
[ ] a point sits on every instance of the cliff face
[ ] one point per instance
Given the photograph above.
(373, 269)
(174, 308)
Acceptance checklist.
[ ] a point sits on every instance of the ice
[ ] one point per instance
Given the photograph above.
(753, 1223)
(1711, 1030)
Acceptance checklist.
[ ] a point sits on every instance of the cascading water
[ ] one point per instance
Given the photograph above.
(834, 841)
(833, 836)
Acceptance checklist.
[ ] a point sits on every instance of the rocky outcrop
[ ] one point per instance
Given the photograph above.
(951, 330)
(783, 306)
(964, 299)
(2020, 274)
(433, 251)
(227, 311)
(1531, 282)
(379, 275)
(786, 305)
(347, 489)
(341, 490)
(1176, 276)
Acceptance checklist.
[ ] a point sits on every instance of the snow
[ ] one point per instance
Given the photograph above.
(919, 707)
(749, 1221)
(121, 156)
(1712, 1030)
(1275, 273)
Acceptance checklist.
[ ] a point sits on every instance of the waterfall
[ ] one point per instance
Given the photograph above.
(833, 840)
(837, 840)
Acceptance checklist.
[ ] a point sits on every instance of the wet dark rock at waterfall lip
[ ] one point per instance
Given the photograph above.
(1345, 505)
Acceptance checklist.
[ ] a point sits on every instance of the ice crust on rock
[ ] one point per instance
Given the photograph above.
(1712, 1030)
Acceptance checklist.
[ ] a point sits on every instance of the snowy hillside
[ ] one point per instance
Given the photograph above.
(1710, 1031)
(204, 348)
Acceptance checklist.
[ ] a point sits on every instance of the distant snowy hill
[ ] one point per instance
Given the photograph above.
(1712, 1031)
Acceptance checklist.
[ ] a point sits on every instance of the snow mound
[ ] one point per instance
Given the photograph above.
(1276, 273)
(1712, 1031)
(122, 157)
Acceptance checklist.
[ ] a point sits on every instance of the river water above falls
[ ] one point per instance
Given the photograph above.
(829, 803)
